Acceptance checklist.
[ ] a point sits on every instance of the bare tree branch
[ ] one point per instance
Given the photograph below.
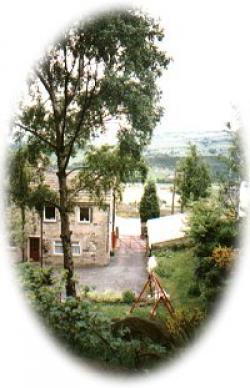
(49, 89)
(35, 133)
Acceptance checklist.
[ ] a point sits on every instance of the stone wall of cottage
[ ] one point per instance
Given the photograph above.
(93, 237)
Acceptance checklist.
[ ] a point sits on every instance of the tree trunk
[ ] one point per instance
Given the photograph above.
(114, 209)
(41, 238)
(23, 220)
(66, 234)
(173, 194)
(113, 234)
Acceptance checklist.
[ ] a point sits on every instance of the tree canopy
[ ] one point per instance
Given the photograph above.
(192, 177)
(101, 71)
(234, 163)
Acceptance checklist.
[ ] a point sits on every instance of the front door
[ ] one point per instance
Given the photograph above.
(34, 248)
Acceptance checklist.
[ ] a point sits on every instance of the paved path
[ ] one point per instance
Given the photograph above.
(128, 226)
(127, 269)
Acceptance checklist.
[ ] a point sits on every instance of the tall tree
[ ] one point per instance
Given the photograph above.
(149, 205)
(40, 196)
(234, 168)
(19, 187)
(26, 185)
(192, 177)
(103, 70)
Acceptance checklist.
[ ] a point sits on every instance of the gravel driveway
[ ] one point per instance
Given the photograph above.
(127, 269)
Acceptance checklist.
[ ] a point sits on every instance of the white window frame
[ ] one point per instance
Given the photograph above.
(73, 243)
(54, 247)
(76, 244)
(48, 219)
(78, 214)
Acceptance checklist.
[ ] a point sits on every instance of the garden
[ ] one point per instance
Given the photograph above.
(99, 326)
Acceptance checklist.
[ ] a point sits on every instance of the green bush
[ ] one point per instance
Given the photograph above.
(83, 330)
(128, 296)
(211, 295)
(210, 226)
(183, 328)
(194, 290)
(162, 270)
(107, 296)
(86, 290)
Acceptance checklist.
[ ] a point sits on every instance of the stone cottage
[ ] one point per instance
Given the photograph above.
(91, 228)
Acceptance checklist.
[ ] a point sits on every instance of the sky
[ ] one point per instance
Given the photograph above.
(209, 41)
(209, 72)
(206, 83)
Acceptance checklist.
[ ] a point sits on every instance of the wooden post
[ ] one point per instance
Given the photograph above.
(173, 193)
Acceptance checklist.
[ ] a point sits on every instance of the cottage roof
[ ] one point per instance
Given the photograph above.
(51, 180)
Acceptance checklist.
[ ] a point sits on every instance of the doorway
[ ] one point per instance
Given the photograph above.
(34, 248)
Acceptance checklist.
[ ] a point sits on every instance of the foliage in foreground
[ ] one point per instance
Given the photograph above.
(84, 331)
(91, 335)
(213, 232)
(211, 226)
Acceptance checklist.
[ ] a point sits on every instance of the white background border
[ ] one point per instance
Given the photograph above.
(28, 357)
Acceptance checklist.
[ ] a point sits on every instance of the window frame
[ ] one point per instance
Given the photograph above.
(54, 247)
(77, 244)
(61, 253)
(45, 219)
(79, 213)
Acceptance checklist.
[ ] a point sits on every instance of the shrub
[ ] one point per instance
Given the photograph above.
(194, 290)
(211, 295)
(81, 329)
(213, 231)
(107, 296)
(86, 290)
(223, 256)
(210, 226)
(128, 296)
(183, 327)
(162, 269)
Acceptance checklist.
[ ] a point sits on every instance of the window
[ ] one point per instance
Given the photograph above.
(58, 248)
(84, 214)
(50, 213)
(75, 248)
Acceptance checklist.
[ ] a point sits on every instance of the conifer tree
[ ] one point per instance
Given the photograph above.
(149, 205)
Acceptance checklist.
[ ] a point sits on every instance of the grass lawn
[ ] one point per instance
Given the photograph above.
(176, 273)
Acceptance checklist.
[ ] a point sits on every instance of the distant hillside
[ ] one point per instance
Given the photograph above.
(176, 143)
(162, 166)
